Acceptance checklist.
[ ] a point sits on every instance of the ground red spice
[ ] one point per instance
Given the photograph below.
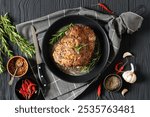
(21, 70)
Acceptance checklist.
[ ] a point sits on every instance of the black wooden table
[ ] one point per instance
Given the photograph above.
(138, 43)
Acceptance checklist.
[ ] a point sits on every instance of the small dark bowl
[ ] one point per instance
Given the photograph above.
(18, 86)
(110, 76)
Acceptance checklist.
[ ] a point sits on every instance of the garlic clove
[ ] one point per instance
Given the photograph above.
(129, 76)
(133, 76)
(132, 67)
(125, 76)
(124, 91)
(126, 54)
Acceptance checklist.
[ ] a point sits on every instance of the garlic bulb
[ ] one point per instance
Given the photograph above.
(126, 54)
(130, 76)
(124, 91)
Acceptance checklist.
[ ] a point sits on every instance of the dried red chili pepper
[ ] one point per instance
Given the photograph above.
(119, 69)
(33, 88)
(99, 91)
(103, 6)
(23, 86)
(27, 89)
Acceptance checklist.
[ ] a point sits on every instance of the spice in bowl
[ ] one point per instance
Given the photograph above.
(27, 89)
(113, 82)
(13, 66)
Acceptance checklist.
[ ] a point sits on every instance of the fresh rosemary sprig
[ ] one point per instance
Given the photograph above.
(79, 47)
(4, 46)
(4, 49)
(2, 68)
(15, 38)
(8, 31)
(93, 61)
(59, 34)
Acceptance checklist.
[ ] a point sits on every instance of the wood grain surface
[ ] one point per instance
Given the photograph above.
(138, 43)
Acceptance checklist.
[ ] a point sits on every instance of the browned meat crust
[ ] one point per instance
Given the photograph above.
(65, 50)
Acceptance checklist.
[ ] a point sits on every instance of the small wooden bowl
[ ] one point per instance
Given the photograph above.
(11, 67)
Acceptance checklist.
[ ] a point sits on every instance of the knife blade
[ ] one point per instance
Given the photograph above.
(40, 65)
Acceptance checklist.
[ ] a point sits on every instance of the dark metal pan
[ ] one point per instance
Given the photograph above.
(100, 35)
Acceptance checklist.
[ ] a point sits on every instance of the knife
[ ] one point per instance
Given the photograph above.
(40, 64)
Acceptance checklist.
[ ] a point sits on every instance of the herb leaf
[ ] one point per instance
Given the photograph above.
(79, 47)
(59, 34)
(2, 68)
(94, 60)
(4, 45)
(7, 30)
(15, 38)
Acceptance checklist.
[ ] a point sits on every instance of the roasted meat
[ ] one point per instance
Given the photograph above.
(76, 47)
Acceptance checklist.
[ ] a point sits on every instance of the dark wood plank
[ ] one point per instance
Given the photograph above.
(139, 44)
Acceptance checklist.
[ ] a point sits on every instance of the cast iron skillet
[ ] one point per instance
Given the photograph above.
(101, 36)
